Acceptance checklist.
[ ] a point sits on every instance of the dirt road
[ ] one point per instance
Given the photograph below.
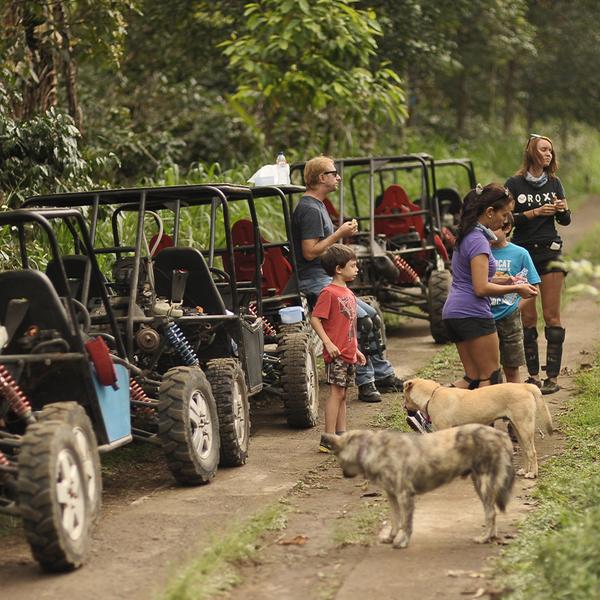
(149, 526)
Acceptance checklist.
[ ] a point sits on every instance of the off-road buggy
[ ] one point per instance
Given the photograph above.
(185, 327)
(404, 266)
(290, 360)
(63, 397)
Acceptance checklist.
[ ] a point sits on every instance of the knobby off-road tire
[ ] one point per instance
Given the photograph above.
(74, 415)
(299, 379)
(373, 302)
(229, 389)
(188, 426)
(52, 496)
(438, 288)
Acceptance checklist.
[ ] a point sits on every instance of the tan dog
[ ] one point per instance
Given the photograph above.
(407, 464)
(450, 406)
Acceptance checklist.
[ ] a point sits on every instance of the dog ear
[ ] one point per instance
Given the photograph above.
(335, 441)
(408, 385)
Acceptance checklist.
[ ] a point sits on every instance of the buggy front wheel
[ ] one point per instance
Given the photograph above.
(299, 379)
(231, 395)
(188, 426)
(52, 496)
(74, 415)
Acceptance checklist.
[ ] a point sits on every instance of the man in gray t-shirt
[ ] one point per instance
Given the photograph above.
(313, 233)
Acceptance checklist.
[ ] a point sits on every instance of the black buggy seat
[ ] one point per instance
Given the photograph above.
(75, 269)
(28, 298)
(200, 289)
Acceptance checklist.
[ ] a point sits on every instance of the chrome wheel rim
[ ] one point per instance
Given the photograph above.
(70, 494)
(200, 425)
(239, 414)
(311, 381)
(87, 462)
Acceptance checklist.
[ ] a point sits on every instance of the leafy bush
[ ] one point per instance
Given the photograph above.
(39, 155)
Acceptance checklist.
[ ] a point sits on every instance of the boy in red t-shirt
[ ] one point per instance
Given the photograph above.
(334, 320)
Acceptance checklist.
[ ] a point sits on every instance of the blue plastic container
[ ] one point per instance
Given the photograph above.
(291, 314)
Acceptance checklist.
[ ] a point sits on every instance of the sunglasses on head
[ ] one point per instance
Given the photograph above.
(535, 136)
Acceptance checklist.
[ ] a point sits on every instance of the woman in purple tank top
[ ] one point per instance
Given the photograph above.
(467, 312)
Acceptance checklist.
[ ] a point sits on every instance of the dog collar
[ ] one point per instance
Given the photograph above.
(425, 411)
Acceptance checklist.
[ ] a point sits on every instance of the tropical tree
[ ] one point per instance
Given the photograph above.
(307, 74)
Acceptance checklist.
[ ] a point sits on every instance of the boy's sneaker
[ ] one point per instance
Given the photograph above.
(325, 446)
(417, 422)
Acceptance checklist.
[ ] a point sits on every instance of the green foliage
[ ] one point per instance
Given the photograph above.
(557, 554)
(39, 155)
(304, 70)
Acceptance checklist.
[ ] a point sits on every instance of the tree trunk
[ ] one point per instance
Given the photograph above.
(461, 104)
(40, 95)
(509, 94)
(67, 64)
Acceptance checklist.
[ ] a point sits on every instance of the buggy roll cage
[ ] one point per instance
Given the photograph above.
(19, 217)
(378, 165)
(143, 200)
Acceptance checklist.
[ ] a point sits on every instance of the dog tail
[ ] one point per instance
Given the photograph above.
(543, 414)
(505, 473)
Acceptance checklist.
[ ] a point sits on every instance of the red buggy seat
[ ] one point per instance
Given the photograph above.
(396, 202)
(276, 269)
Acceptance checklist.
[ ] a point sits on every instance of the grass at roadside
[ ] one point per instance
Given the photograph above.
(213, 572)
(557, 553)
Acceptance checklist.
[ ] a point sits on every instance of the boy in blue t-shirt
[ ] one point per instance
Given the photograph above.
(515, 262)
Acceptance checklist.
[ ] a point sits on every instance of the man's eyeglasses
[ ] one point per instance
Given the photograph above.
(334, 173)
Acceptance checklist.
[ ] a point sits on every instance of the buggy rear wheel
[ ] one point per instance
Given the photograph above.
(231, 395)
(299, 379)
(188, 426)
(438, 288)
(74, 415)
(52, 496)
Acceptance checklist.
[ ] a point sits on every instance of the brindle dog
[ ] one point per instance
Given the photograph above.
(407, 464)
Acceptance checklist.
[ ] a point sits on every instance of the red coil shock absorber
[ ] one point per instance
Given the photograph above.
(15, 396)
(405, 268)
(267, 327)
(137, 393)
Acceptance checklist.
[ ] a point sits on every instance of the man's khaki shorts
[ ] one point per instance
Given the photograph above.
(340, 373)
(510, 334)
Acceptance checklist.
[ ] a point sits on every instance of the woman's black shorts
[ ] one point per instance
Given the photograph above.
(546, 260)
(461, 330)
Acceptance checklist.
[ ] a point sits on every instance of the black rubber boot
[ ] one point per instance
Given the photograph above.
(555, 336)
(532, 358)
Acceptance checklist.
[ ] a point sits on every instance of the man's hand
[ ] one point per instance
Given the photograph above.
(332, 349)
(347, 229)
(360, 358)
